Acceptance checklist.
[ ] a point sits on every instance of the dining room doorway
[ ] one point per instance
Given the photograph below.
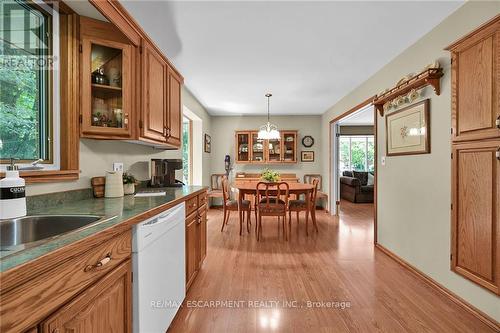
(353, 161)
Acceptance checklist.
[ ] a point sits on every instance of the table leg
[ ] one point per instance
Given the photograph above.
(240, 203)
(313, 215)
(308, 209)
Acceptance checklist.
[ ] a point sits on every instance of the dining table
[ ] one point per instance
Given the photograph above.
(250, 188)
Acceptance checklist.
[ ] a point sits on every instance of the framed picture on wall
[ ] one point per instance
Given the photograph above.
(208, 143)
(408, 130)
(307, 156)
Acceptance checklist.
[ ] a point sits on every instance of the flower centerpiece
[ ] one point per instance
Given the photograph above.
(128, 183)
(270, 175)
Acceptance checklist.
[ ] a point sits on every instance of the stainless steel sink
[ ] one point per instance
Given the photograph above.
(31, 230)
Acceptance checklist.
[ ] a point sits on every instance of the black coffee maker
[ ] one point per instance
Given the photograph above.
(163, 172)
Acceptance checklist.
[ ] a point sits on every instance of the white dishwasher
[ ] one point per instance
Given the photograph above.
(158, 259)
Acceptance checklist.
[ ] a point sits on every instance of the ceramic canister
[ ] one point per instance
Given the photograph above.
(114, 184)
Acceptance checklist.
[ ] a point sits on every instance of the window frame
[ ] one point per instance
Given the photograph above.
(367, 140)
(69, 87)
(190, 148)
(48, 124)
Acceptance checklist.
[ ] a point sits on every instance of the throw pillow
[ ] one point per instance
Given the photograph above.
(371, 179)
(362, 176)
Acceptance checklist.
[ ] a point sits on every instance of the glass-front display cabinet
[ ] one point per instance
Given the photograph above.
(251, 149)
(289, 153)
(242, 149)
(274, 151)
(106, 90)
(258, 149)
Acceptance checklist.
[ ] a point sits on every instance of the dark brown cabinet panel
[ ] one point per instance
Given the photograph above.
(475, 218)
(475, 85)
(104, 307)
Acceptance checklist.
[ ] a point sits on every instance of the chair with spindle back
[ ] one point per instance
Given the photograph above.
(320, 195)
(229, 205)
(215, 186)
(301, 206)
(272, 200)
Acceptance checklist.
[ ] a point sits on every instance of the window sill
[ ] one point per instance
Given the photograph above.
(48, 176)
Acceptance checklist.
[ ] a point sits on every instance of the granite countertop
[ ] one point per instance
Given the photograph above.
(123, 209)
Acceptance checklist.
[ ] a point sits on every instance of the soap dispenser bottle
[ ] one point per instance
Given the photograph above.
(12, 194)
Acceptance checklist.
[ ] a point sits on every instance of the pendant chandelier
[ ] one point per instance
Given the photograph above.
(268, 131)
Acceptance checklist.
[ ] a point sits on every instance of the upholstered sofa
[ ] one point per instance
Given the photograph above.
(354, 187)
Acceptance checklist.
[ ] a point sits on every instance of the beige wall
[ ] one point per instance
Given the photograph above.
(223, 128)
(97, 156)
(414, 191)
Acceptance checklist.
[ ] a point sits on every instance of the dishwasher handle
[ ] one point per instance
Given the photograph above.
(163, 217)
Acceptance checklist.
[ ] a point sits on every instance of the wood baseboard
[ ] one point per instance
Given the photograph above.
(492, 323)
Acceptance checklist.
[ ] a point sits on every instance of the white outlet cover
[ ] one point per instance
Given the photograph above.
(383, 160)
(117, 166)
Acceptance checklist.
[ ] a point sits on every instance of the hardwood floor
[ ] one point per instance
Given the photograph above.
(338, 264)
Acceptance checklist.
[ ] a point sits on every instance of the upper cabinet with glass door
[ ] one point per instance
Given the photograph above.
(242, 147)
(258, 149)
(251, 149)
(289, 154)
(106, 87)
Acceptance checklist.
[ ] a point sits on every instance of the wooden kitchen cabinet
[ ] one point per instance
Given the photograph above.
(161, 118)
(475, 241)
(191, 248)
(196, 236)
(475, 75)
(476, 212)
(174, 116)
(203, 234)
(104, 307)
(106, 81)
(250, 149)
(154, 95)
(121, 74)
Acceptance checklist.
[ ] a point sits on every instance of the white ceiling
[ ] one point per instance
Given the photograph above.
(364, 116)
(308, 54)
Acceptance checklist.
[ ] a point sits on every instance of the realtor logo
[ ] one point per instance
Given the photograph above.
(25, 36)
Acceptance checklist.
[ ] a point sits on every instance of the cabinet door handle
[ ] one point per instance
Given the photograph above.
(497, 122)
(168, 132)
(497, 154)
(100, 263)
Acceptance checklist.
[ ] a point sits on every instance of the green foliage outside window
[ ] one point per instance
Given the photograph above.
(24, 87)
(185, 152)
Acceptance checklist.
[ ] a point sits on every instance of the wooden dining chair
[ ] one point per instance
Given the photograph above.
(301, 206)
(272, 200)
(229, 205)
(320, 195)
(215, 186)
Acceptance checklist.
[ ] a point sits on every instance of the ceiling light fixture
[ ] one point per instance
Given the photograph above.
(268, 131)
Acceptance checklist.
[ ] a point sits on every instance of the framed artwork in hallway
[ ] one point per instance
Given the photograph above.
(408, 130)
